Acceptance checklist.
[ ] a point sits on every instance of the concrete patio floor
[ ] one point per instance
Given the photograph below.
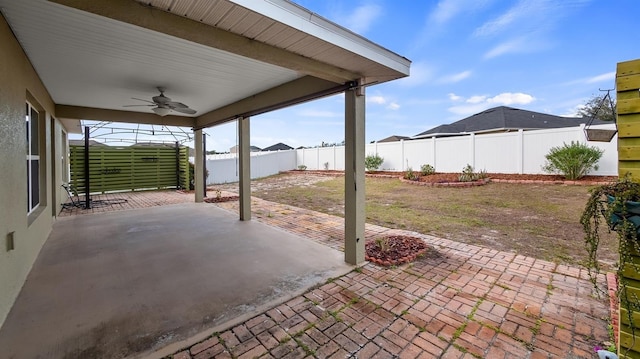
(458, 301)
(122, 283)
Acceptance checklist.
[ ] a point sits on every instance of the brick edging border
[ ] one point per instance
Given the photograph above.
(481, 182)
(612, 289)
(567, 182)
(456, 184)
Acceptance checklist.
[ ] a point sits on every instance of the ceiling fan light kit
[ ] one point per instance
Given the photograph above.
(164, 105)
(161, 111)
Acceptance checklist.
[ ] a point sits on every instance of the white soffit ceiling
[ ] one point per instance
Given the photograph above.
(286, 25)
(92, 61)
(89, 60)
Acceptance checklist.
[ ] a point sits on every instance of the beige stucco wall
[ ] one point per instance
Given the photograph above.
(19, 83)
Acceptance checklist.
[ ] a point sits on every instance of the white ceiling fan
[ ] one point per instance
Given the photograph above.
(164, 105)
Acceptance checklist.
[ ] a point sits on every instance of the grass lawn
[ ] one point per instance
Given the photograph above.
(540, 221)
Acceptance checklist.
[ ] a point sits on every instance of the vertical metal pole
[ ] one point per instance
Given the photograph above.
(177, 165)
(87, 181)
(204, 163)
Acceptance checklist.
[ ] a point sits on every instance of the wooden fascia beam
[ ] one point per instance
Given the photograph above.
(99, 114)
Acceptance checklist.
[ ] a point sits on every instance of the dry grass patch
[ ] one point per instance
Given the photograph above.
(540, 221)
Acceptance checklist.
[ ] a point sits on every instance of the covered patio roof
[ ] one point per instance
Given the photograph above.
(224, 58)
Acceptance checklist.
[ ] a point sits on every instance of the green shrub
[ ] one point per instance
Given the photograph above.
(302, 167)
(426, 170)
(469, 174)
(373, 162)
(572, 161)
(410, 175)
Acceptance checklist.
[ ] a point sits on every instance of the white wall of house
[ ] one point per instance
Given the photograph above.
(510, 152)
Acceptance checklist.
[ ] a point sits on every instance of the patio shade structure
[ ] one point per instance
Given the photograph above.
(73, 60)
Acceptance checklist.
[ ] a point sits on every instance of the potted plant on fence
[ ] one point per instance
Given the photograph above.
(618, 204)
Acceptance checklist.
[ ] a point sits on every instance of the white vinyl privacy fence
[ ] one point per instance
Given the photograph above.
(224, 168)
(509, 152)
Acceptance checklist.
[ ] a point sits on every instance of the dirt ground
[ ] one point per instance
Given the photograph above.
(538, 220)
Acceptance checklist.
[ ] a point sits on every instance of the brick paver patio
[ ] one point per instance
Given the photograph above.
(458, 301)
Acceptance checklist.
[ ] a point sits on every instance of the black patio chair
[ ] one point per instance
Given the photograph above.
(73, 197)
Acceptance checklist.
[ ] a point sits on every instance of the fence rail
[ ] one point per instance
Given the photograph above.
(520, 152)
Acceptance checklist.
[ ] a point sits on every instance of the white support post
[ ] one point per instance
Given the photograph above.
(472, 150)
(244, 157)
(199, 170)
(404, 162)
(433, 152)
(520, 151)
(354, 176)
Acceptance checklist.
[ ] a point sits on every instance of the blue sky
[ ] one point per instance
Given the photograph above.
(549, 56)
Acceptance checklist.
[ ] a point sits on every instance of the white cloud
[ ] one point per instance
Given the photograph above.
(445, 10)
(528, 16)
(527, 26)
(455, 77)
(361, 19)
(393, 106)
(378, 100)
(609, 76)
(572, 112)
(511, 46)
(478, 103)
(454, 97)
(513, 15)
(476, 99)
(508, 98)
(421, 73)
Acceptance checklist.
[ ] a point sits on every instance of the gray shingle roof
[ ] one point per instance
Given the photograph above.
(278, 147)
(505, 118)
(394, 138)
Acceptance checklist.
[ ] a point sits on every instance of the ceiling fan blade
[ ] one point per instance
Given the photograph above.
(138, 105)
(140, 99)
(174, 104)
(185, 110)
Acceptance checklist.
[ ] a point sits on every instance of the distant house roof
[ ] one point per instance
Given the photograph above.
(394, 138)
(505, 118)
(234, 149)
(278, 147)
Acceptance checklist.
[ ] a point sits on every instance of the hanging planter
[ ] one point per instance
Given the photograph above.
(618, 205)
(599, 135)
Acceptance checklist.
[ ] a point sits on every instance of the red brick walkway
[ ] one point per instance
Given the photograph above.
(128, 200)
(458, 301)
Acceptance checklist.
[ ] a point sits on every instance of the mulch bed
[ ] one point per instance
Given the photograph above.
(394, 250)
(221, 199)
(451, 179)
